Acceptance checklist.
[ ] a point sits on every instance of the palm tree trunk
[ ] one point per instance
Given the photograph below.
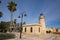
(11, 24)
(12, 18)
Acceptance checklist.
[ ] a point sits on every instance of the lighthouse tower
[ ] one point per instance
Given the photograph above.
(42, 23)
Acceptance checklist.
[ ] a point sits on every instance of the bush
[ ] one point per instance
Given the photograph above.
(4, 26)
(4, 36)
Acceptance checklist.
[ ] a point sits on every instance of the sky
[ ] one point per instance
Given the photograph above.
(33, 8)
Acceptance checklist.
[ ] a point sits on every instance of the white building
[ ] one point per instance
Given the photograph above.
(39, 28)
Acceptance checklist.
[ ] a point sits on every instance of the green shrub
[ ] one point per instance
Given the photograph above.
(4, 36)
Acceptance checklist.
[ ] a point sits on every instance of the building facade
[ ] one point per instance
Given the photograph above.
(39, 28)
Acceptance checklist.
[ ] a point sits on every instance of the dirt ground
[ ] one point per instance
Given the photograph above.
(37, 37)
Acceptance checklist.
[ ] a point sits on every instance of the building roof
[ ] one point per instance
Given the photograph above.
(27, 25)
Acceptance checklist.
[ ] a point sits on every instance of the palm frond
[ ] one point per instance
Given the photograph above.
(1, 14)
(12, 6)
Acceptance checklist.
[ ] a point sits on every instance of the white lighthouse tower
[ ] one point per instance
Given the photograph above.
(42, 23)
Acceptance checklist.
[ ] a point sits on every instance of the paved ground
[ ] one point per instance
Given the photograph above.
(37, 37)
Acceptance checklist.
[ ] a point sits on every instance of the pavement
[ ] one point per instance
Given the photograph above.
(36, 37)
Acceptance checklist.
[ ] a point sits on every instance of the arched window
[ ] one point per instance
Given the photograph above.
(12, 29)
(49, 31)
(39, 29)
(17, 28)
(31, 29)
(56, 30)
(25, 29)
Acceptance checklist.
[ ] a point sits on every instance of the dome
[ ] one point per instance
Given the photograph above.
(41, 14)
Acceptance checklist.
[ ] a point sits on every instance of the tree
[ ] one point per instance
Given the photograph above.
(0, 11)
(24, 23)
(0, 1)
(4, 26)
(12, 7)
(1, 14)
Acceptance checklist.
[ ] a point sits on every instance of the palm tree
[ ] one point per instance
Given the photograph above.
(12, 7)
(0, 1)
(1, 14)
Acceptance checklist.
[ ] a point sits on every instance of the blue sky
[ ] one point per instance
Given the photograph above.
(33, 8)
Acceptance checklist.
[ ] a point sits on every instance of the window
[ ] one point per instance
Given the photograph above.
(56, 30)
(17, 28)
(31, 29)
(12, 29)
(25, 29)
(39, 29)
